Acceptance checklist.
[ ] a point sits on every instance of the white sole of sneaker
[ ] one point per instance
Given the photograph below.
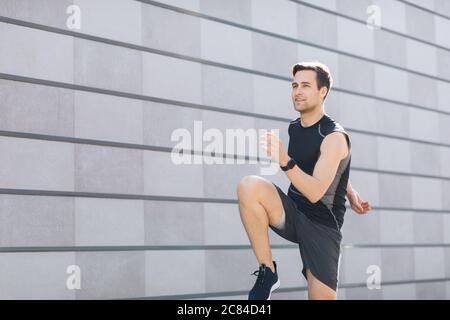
(274, 287)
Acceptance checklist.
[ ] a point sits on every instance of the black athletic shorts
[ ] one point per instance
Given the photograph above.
(319, 244)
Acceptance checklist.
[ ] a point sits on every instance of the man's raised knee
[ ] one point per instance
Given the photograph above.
(247, 185)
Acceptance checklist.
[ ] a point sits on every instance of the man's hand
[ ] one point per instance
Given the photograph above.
(359, 205)
(274, 148)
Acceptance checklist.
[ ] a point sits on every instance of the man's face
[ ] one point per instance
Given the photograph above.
(305, 95)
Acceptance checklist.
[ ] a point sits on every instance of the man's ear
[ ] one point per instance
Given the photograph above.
(323, 91)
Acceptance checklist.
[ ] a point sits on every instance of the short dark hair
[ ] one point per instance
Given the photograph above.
(323, 75)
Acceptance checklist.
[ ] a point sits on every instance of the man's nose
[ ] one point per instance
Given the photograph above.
(298, 92)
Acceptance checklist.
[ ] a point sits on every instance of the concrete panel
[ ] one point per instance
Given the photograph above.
(223, 225)
(232, 128)
(426, 193)
(273, 55)
(275, 16)
(429, 228)
(273, 97)
(423, 30)
(36, 109)
(423, 4)
(441, 28)
(367, 184)
(396, 227)
(444, 154)
(445, 200)
(108, 170)
(442, 6)
(227, 89)
(96, 66)
(422, 91)
(119, 20)
(396, 191)
(175, 272)
(192, 5)
(174, 223)
(109, 222)
(326, 4)
(443, 62)
(355, 38)
(362, 81)
(391, 83)
(27, 53)
(363, 294)
(181, 32)
(161, 120)
(431, 291)
(48, 12)
(238, 11)
(446, 226)
(424, 125)
(357, 261)
(357, 112)
(421, 57)
(429, 263)
(355, 9)
(425, 159)
(390, 119)
(34, 276)
(393, 14)
(219, 43)
(171, 78)
(364, 151)
(395, 155)
(310, 20)
(444, 129)
(399, 292)
(36, 164)
(358, 229)
(389, 48)
(111, 275)
(179, 182)
(397, 264)
(36, 221)
(104, 117)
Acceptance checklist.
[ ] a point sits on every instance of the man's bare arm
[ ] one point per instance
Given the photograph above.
(358, 204)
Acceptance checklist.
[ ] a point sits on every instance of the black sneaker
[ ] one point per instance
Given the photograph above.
(266, 282)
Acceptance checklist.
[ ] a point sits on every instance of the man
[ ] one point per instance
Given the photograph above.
(312, 212)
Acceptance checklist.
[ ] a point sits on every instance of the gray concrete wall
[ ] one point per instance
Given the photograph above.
(86, 117)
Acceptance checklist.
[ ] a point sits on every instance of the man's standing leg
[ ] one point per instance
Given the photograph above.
(317, 290)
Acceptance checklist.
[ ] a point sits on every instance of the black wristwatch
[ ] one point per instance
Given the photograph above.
(291, 163)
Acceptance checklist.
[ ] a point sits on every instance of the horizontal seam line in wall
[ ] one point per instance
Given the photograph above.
(342, 15)
(103, 143)
(207, 62)
(18, 249)
(75, 194)
(281, 290)
(424, 9)
(296, 40)
(195, 106)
